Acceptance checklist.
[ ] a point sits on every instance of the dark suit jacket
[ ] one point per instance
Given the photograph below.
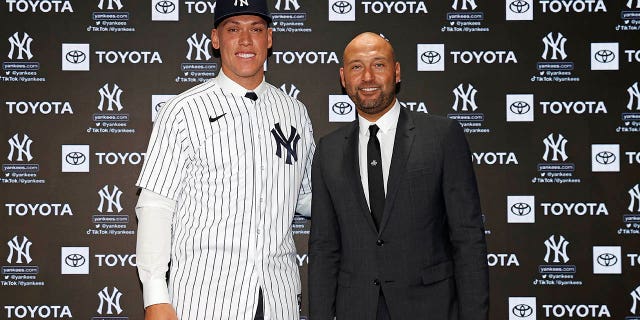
(429, 256)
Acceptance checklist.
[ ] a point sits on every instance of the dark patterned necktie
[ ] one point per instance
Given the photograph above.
(374, 170)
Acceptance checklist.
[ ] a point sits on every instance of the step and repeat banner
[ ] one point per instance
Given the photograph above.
(547, 92)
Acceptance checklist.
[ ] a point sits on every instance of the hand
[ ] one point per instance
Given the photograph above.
(160, 311)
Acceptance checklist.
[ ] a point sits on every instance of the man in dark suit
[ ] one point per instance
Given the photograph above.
(396, 228)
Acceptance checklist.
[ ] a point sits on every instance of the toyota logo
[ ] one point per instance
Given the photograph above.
(521, 209)
(342, 108)
(165, 7)
(341, 7)
(430, 57)
(604, 56)
(522, 311)
(519, 107)
(607, 260)
(519, 6)
(75, 260)
(605, 157)
(75, 158)
(75, 56)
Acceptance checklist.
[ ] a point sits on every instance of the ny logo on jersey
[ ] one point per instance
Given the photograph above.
(468, 98)
(634, 94)
(471, 3)
(112, 97)
(634, 193)
(201, 47)
(118, 3)
(557, 145)
(110, 300)
(20, 249)
(293, 92)
(21, 46)
(22, 148)
(290, 144)
(112, 199)
(559, 249)
(294, 3)
(555, 46)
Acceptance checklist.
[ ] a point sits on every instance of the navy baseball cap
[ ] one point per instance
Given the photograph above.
(229, 8)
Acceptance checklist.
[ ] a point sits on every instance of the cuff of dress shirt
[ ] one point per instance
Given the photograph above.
(155, 291)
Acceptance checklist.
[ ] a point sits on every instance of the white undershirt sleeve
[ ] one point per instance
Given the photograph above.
(153, 245)
(303, 206)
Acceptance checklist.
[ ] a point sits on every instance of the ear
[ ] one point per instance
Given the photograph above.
(342, 77)
(398, 72)
(269, 38)
(215, 41)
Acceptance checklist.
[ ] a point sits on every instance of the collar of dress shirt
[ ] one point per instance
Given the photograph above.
(387, 122)
(231, 86)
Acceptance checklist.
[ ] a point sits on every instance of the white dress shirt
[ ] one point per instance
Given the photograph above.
(222, 179)
(386, 135)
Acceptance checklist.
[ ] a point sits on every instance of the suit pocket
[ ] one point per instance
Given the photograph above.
(437, 273)
(344, 279)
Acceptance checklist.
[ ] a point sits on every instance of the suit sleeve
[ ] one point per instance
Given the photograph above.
(324, 245)
(466, 229)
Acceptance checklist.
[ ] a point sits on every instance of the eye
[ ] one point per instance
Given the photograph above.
(356, 67)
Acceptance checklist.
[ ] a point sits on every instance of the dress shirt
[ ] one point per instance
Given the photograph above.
(386, 135)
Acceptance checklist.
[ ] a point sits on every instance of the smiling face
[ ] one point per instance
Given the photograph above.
(369, 75)
(243, 42)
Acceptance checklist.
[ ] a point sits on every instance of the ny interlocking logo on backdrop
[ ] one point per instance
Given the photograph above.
(292, 92)
(465, 97)
(110, 97)
(556, 147)
(110, 199)
(558, 248)
(19, 250)
(20, 47)
(554, 48)
(200, 47)
(20, 148)
(109, 302)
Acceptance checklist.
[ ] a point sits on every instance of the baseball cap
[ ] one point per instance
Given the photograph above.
(229, 8)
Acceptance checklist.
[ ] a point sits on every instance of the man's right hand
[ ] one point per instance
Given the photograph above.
(160, 311)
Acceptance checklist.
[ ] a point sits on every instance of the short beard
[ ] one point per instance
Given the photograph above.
(373, 106)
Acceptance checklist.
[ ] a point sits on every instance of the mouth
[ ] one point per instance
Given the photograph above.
(368, 90)
(245, 55)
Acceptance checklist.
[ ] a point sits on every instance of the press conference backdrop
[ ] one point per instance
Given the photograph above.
(547, 92)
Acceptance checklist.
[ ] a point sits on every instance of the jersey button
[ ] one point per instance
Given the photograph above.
(380, 242)
(376, 282)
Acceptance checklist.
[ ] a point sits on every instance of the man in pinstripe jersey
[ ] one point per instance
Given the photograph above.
(228, 165)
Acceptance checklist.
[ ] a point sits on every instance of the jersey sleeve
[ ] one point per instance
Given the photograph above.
(166, 155)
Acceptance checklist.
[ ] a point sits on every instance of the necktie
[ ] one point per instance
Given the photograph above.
(251, 95)
(374, 170)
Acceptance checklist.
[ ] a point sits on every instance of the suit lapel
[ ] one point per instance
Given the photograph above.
(352, 172)
(401, 149)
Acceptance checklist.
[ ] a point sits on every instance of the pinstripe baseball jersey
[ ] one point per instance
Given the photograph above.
(235, 168)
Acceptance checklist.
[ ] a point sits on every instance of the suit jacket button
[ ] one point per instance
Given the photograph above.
(376, 282)
(380, 242)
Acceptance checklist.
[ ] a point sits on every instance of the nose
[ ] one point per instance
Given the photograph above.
(245, 38)
(367, 75)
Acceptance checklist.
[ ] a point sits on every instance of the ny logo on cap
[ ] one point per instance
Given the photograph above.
(241, 3)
